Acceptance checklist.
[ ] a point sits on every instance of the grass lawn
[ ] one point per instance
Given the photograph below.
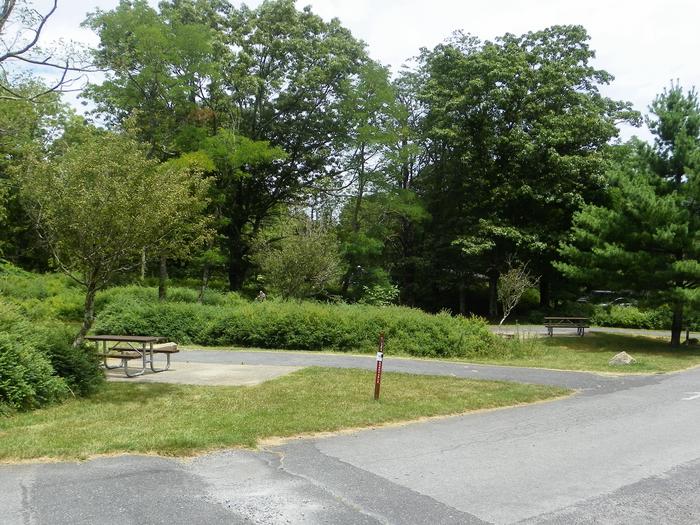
(594, 350)
(589, 353)
(182, 419)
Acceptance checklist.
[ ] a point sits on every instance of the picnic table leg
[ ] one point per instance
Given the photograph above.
(167, 362)
(143, 363)
(122, 362)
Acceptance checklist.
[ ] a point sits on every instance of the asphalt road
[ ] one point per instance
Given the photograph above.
(623, 450)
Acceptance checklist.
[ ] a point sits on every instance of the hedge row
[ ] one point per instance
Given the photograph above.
(302, 326)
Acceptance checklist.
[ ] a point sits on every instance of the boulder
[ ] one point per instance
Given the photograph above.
(623, 358)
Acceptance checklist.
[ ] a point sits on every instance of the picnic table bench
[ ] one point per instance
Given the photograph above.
(130, 347)
(580, 323)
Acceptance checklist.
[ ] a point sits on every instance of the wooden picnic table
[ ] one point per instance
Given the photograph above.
(580, 323)
(132, 347)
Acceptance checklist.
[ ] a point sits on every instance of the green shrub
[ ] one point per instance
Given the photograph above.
(41, 296)
(302, 326)
(80, 367)
(632, 317)
(27, 379)
(55, 367)
(379, 295)
(181, 322)
(149, 294)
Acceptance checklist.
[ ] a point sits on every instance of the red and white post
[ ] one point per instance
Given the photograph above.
(378, 374)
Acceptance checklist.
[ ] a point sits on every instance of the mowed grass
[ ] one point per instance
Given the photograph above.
(181, 419)
(593, 351)
(567, 352)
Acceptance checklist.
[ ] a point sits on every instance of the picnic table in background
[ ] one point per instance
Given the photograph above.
(580, 323)
(126, 348)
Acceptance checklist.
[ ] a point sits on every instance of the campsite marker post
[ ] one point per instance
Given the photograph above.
(380, 361)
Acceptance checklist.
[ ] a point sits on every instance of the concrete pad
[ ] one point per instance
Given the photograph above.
(208, 374)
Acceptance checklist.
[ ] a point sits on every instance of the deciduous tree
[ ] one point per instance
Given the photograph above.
(100, 202)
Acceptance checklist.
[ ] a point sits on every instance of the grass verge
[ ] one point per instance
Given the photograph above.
(593, 351)
(180, 419)
(589, 353)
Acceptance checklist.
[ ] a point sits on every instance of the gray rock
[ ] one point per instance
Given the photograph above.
(623, 358)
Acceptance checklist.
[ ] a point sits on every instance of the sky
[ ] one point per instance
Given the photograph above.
(644, 44)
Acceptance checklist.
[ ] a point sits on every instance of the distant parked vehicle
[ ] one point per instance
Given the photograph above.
(620, 301)
(596, 296)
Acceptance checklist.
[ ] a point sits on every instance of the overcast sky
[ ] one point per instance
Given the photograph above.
(644, 44)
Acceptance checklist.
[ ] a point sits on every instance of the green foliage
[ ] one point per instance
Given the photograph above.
(303, 326)
(303, 261)
(31, 308)
(25, 126)
(647, 237)
(176, 294)
(27, 378)
(378, 295)
(101, 202)
(73, 198)
(632, 317)
(516, 131)
(41, 296)
(263, 92)
(182, 322)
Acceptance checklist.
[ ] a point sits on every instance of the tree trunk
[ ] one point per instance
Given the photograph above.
(360, 191)
(345, 283)
(462, 299)
(237, 268)
(163, 279)
(493, 295)
(88, 316)
(677, 325)
(205, 283)
(143, 264)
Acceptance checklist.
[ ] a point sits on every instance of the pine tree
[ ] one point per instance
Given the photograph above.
(647, 237)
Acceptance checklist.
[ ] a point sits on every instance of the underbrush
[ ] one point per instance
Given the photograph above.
(632, 317)
(38, 365)
(57, 297)
(658, 318)
(303, 326)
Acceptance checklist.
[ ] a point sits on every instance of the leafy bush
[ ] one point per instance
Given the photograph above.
(632, 317)
(27, 379)
(41, 296)
(181, 322)
(55, 368)
(380, 295)
(80, 367)
(149, 294)
(303, 326)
